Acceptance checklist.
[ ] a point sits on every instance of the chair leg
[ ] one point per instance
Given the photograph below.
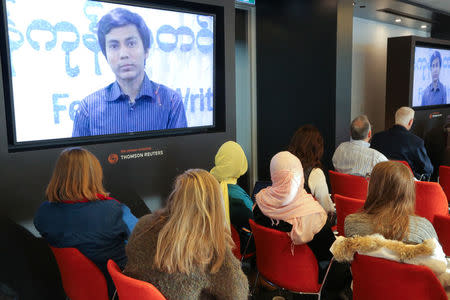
(246, 246)
(114, 296)
(254, 284)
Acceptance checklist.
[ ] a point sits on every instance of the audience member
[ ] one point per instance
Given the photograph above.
(386, 227)
(286, 206)
(185, 248)
(389, 208)
(230, 164)
(80, 214)
(356, 157)
(307, 145)
(398, 143)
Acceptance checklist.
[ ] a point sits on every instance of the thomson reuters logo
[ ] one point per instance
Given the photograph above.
(113, 158)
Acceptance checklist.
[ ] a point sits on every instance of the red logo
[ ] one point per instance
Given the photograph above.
(113, 158)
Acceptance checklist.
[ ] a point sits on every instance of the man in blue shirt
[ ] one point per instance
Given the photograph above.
(435, 93)
(132, 103)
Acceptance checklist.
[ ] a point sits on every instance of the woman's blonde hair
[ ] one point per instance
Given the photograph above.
(77, 176)
(391, 199)
(196, 234)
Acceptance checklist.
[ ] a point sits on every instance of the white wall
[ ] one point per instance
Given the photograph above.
(369, 67)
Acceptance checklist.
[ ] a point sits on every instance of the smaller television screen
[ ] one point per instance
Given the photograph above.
(431, 85)
(81, 68)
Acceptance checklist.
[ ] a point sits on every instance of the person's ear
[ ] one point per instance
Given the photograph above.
(369, 135)
(410, 123)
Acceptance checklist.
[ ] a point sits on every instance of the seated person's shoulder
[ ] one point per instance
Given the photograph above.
(156, 220)
(357, 224)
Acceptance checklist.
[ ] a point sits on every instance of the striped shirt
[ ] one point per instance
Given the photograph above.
(109, 111)
(356, 158)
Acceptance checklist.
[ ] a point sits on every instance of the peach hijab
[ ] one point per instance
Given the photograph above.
(287, 199)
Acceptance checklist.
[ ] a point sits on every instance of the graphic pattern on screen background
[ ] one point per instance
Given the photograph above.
(423, 77)
(56, 61)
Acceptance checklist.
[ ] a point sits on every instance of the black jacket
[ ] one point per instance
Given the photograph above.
(397, 143)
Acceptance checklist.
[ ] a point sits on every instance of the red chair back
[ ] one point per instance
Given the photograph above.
(296, 272)
(380, 279)
(344, 207)
(442, 226)
(430, 200)
(237, 248)
(131, 289)
(444, 180)
(81, 278)
(406, 164)
(348, 185)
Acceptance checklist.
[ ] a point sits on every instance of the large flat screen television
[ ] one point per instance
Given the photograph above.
(77, 71)
(431, 76)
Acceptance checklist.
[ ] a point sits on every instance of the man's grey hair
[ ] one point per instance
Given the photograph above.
(360, 127)
(403, 115)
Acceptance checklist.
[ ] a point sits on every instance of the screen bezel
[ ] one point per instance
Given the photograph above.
(219, 105)
(423, 44)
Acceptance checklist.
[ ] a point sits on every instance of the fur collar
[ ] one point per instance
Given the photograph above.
(429, 253)
(343, 248)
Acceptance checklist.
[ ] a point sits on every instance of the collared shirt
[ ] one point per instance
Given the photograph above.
(109, 111)
(356, 158)
(434, 96)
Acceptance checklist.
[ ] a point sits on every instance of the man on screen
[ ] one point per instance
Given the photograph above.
(132, 103)
(435, 93)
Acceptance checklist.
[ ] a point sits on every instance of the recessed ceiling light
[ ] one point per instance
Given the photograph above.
(423, 26)
(398, 20)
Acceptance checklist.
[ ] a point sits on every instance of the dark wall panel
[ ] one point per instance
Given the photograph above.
(296, 81)
(24, 175)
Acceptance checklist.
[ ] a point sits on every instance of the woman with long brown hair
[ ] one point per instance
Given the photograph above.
(184, 249)
(307, 145)
(389, 208)
(79, 212)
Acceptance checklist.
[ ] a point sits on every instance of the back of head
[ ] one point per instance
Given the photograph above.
(77, 176)
(403, 115)
(286, 172)
(307, 145)
(120, 17)
(360, 128)
(391, 199)
(196, 234)
(230, 162)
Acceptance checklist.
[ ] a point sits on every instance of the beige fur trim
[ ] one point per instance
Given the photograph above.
(343, 248)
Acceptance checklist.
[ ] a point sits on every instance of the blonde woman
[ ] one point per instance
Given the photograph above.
(80, 214)
(185, 248)
(389, 208)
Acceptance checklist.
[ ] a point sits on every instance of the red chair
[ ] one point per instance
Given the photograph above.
(344, 207)
(297, 272)
(444, 180)
(348, 185)
(430, 200)
(237, 248)
(81, 278)
(131, 289)
(442, 226)
(406, 164)
(381, 279)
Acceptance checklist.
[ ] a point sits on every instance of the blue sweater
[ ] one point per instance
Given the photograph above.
(98, 229)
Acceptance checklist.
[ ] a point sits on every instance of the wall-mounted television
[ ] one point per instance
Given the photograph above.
(431, 75)
(418, 76)
(80, 72)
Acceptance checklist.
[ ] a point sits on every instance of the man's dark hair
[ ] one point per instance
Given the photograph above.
(120, 17)
(435, 55)
(360, 128)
